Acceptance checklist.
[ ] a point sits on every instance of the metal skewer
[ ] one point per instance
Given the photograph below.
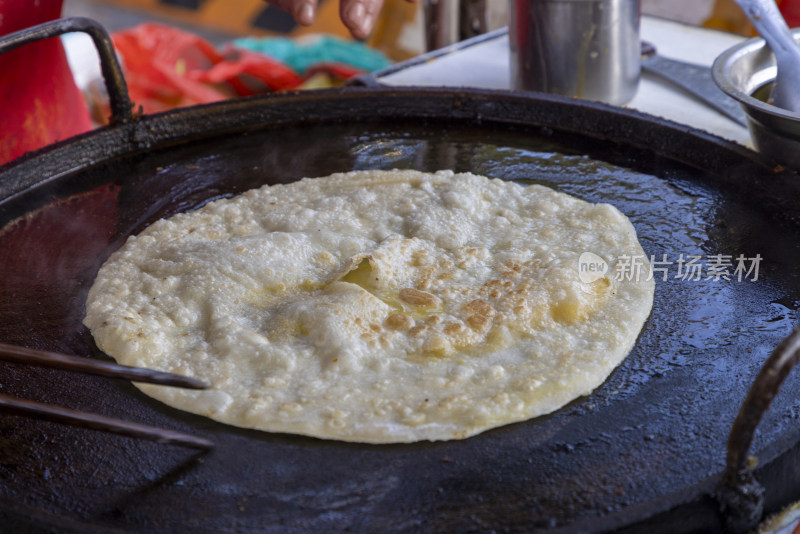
(99, 422)
(23, 355)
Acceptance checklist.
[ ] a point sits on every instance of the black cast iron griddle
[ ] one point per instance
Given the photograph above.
(644, 453)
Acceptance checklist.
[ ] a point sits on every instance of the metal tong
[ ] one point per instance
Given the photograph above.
(26, 356)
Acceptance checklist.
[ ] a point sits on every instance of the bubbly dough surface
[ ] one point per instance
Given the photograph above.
(376, 306)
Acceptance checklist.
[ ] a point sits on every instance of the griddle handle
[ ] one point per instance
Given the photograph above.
(119, 100)
(740, 494)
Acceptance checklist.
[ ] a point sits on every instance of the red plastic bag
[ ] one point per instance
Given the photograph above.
(166, 67)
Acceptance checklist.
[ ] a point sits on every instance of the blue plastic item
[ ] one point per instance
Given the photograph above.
(323, 49)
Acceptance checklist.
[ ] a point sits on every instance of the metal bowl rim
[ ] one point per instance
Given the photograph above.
(720, 71)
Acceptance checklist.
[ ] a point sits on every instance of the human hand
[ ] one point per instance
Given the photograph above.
(358, 15)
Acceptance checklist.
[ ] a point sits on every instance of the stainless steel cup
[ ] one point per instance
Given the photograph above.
(582, 48)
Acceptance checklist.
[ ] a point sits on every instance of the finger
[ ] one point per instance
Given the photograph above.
(359, 16)
(303, 11)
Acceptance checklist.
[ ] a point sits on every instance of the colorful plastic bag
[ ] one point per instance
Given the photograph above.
(166, 67)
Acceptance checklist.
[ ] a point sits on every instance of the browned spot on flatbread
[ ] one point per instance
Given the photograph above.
(417, 330)
(453, 329)
(399, 321)
(415, 297)
(480, 313)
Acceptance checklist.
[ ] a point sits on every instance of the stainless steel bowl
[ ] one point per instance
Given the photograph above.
(580, 48)
(746, 72)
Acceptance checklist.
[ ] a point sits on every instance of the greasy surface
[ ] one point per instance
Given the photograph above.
(380, 306)
(651, 438)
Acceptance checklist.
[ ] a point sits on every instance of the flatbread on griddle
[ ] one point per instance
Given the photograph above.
(376, 306)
